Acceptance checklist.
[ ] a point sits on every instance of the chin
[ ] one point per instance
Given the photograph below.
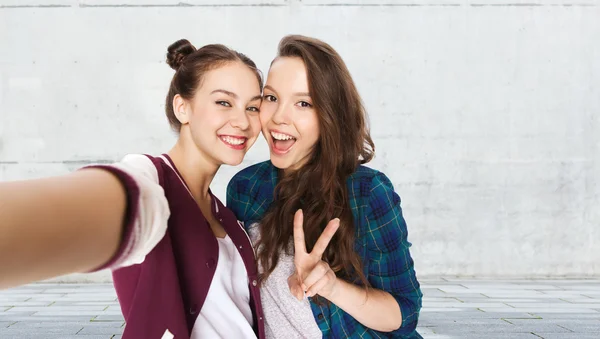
(280, 163)
(232, 161)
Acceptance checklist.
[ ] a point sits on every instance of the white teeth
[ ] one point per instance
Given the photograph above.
(281, 136)
(233, 141)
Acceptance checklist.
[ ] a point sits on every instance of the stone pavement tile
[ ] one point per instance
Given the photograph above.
(543, 310)
(498, 336)
(8, 298)
(5, 316)
(567, 335)
(87, 297)
(476, 335)
(69, 330)
(443, 309)
(515, 300)
(512, 286)
(59, 336)
(506, 294)
(582, 300)
(458, 295)
(486, 291)
(566, 293)
(100, 330)
(556, 305)
(477, 315)
(472, 305)
(46, 297)
(23, 303)
(72, 290)
(65, 314)
(36, 318)
(4, 324)
(560, 322)
(442, 286)
(58, 309)
(586, 316)
(581, 326)
(22, 290)
(423, 330)
(443, 299)
(463, 280)
(433, 292)
(58, 324)
(584, 287)
(456, 321)
(108, 317)
(86, 303)
(82, 290)
(497, 328)
(569, 281)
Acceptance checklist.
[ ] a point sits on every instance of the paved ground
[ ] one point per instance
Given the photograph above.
(453, 308)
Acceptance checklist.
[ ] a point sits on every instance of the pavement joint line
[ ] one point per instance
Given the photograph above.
(509, 305)
(568, 329)
(539, 336)
(506, 321)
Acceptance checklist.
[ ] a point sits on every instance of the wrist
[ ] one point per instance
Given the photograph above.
(334, 290)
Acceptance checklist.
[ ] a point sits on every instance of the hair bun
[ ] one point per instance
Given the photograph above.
(178, 51)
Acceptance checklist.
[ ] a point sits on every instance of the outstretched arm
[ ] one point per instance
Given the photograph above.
(59, 225)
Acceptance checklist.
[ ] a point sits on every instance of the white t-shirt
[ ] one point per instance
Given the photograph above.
(226, 311)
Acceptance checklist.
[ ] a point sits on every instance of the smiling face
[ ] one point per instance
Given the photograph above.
(222, 118)
(288, 117)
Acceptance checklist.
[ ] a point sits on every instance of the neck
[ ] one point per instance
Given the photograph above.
(194, 166)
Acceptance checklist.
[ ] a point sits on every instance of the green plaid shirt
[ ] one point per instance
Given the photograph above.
(381, 241)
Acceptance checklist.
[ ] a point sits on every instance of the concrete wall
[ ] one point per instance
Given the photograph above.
(485, 113)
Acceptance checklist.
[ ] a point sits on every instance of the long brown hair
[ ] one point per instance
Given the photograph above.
(190, 65)
(319, 186)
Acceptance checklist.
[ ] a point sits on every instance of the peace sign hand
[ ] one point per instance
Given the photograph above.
(312, 275)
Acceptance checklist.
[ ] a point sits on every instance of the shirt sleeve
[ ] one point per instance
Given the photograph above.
(147, 214)
(391, 267)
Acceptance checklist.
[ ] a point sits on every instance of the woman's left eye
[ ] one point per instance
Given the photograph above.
(304, 104)
(253, 109)
(223, 103)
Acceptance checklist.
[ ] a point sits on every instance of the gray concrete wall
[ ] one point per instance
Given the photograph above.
(485, 113)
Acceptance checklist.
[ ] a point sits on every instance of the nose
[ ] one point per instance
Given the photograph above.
(239, 119)
(282, 115)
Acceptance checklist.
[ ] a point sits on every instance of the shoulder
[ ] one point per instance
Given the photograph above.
(138, 166)
(367, 183)
(251, 177)
(250, 191)
(261, 170)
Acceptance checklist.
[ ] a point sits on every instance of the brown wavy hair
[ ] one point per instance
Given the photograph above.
(319, 186)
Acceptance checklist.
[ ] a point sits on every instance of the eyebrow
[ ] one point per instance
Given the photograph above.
(233, 95)
(302, 94)
(298, 94)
